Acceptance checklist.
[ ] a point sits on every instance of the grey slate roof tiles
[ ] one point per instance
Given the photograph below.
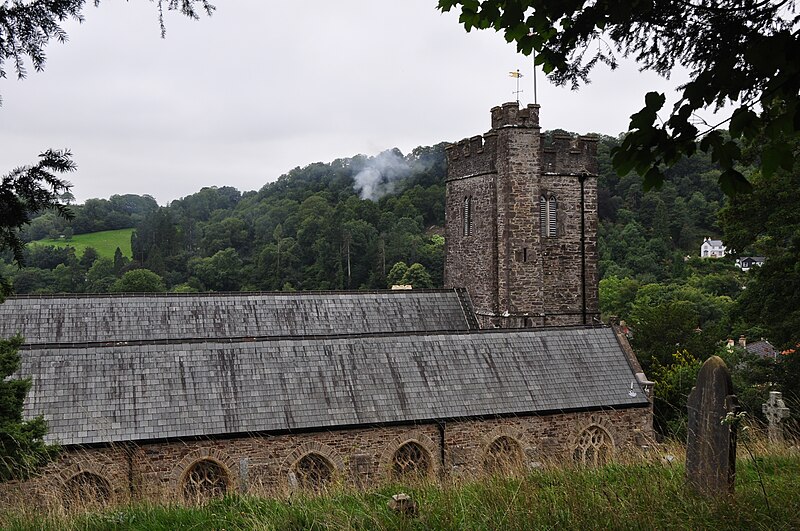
(102, 394)
(95, 319)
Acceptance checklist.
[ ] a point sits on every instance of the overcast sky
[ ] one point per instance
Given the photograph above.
(261, 87)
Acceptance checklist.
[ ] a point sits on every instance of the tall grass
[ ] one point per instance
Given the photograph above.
(645, 495)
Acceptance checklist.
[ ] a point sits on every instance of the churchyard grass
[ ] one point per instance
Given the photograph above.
(104, 242)
(648, 494)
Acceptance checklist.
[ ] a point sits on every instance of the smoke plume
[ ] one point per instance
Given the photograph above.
(380, 174)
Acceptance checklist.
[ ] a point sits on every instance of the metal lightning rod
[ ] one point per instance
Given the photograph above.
(535, 98)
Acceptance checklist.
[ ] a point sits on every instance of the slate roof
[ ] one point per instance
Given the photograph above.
(103, 394)
(149, 317)
(762, 348)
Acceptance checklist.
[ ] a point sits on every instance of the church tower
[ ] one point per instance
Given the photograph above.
(521, 223)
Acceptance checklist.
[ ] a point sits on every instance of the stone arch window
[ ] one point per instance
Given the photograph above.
(86, 489)
(411, 459)
(504, 455)
(548, 215)
(594, 447)
(205, 479)
(467, 216)
(313, 471)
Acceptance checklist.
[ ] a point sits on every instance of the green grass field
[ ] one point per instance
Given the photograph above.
(648, 495)
(105, 242)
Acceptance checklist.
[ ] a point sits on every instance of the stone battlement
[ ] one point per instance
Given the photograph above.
(510, 115)
(472, 156)
(477, 155)
(570, 155)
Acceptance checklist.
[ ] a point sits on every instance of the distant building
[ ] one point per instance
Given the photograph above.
(761, 348)
(746, 262)
(712, 249)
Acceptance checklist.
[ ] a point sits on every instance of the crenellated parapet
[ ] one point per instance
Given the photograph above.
(570, 155)
(521, 222)
(472, 156)
(510, 115)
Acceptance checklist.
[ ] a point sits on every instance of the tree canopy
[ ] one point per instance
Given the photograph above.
(26, 191)
(738, 52)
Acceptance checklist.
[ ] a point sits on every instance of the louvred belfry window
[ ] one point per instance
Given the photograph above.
(548, 215)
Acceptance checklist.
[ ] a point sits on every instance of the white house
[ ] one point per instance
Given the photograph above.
(712, 249)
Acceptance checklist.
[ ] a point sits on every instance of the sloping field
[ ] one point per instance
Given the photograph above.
(104, 242)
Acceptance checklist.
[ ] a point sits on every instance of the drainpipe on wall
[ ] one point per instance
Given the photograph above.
(129, 450)
(441, 425)
(582, 180)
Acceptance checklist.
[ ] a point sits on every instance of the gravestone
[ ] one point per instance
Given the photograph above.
(775, 410)
(711, 442)
(403, 504)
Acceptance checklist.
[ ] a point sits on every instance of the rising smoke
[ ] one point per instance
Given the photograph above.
(380, 174)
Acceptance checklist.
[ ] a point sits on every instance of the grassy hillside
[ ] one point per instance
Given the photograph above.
(649, 495)
(105, 242)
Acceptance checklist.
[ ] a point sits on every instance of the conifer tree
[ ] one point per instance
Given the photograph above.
(22, 447)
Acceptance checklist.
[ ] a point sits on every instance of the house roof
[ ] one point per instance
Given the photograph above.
(713, 243)
(135, 392)
(762, 348)
(151, 317)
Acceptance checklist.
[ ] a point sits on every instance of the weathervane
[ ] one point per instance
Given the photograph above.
(516, 75)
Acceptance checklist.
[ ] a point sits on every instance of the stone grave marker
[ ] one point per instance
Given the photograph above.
(775, 410)
(711, 443)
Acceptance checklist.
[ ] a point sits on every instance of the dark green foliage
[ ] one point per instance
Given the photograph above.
(308, 230)
(138, 281)
(753, 378)
(674, 381)
(738, 53)
(767, 223)
(28, 190)
(417, 276)
(22, 448)
(647, 235)
(220, 272)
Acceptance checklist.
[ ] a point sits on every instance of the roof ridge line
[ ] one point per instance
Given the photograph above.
(306, 337)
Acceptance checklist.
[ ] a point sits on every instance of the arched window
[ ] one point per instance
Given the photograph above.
(411, 459)
(205, 479)
(503, 456)
(594, 447)
(86, 489)
(467, 216)
(312, 472)
(548, 215)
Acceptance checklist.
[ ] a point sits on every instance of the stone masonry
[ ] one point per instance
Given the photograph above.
(261, 463)
(516, 276)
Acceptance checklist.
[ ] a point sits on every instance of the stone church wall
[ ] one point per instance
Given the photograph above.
(264, 464)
